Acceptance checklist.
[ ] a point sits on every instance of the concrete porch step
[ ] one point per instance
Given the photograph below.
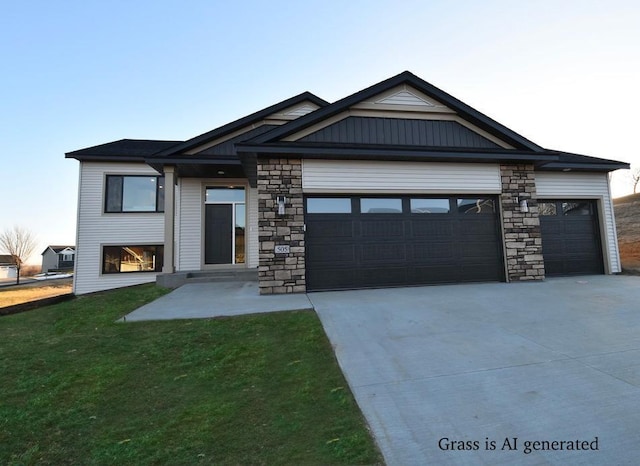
(177, 279)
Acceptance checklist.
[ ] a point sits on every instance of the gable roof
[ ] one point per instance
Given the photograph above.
(342, 130)
(58, 249)
(465, 111)
(241, 123)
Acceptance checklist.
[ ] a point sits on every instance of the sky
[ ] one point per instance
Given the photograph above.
(75, 74)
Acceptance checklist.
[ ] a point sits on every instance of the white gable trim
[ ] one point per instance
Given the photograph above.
(404, 98)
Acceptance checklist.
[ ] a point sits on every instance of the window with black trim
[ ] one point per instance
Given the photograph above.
(329, 205)
(134, 193)
(481, 205)
(126, 259)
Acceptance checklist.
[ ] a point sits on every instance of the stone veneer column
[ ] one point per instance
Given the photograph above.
(281, 273)
(522, 237)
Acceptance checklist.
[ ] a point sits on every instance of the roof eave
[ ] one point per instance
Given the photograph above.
(592, 167)
(389, 153)
(105, 158)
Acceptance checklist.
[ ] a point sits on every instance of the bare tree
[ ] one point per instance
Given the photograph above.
(635, 178)
(19, 243)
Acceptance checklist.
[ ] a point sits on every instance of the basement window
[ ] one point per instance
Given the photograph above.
(127, 259)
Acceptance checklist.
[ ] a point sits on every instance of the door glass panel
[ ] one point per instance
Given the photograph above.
(240, 233)
(576, 208)
(480, 205)
(429, 206)
(328, 205)
(224, 195)
(381, 206)
(547, 208)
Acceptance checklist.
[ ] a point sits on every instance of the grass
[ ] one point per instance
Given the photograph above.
(77, 388)
(24, 294)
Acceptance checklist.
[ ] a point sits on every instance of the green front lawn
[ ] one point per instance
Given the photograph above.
(77, 388)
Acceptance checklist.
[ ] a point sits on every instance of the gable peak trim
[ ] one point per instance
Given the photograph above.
(404, 97)
(301, 110)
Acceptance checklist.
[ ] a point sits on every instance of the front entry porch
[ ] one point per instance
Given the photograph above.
(230, 274)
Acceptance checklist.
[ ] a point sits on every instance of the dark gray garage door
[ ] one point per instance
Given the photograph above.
(366, 241)
(570, 237)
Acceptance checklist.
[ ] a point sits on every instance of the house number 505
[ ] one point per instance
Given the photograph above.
(282, 249)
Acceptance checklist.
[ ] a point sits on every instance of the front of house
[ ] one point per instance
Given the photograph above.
(398, 184)
(58, 259)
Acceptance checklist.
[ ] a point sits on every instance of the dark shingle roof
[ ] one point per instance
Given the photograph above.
(243, 122)
(229, 146)
(57, 249)
(6, 259)
(124, 149)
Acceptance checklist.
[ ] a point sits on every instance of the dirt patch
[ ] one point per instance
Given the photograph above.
(34, 291)
(627, 211)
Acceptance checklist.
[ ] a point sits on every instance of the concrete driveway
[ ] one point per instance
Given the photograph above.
(441, 372)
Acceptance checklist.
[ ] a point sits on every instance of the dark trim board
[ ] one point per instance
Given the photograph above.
(381, 249)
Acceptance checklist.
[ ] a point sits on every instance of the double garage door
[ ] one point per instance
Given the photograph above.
(367, 241)
(359, 241)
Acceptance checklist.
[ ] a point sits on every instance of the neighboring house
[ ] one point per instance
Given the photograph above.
(58, 258)
(8, 268)
(397, 184)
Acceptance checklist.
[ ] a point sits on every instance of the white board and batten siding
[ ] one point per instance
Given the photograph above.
(346, 176)
(97, 229)
(190, 224)
(552, 185)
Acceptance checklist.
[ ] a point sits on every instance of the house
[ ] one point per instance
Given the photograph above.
(58, 258)
(397, 184)
(8, 268)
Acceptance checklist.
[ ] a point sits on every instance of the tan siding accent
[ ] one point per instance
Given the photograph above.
(190, 226)
(96, 228)
(338, 176)
(252, 231)
(586, 186)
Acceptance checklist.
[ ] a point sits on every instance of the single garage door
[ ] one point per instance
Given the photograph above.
(570, 237)
(367, 241)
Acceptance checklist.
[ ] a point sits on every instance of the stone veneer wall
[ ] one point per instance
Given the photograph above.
(522, 237)
(281, 273)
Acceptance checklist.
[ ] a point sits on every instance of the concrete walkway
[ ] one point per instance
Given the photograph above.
(207, 300)
(441, 372)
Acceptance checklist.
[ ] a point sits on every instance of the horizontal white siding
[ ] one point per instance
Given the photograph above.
(586, 186)
(190, 224)
(345, 176)
(95, 228)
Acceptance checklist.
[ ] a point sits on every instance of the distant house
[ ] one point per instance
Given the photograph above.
(397, 184)
(58, 258)
(7, 267)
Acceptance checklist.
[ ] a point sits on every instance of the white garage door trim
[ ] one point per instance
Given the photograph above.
(551, 185)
